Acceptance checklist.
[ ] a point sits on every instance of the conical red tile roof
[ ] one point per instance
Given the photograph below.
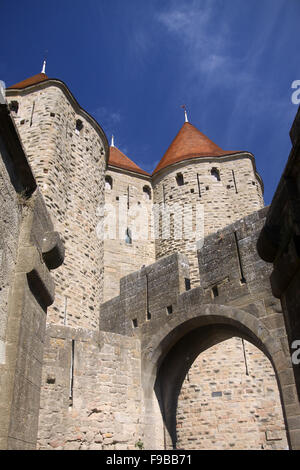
(118, 159)
(40, 77)
(189, 143)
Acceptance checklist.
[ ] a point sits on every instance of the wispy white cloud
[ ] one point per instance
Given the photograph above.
(108, 119)
(210, 49)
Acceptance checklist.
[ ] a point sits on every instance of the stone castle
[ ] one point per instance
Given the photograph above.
(135, 310)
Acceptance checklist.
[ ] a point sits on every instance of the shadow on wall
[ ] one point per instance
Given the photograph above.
(179, 358)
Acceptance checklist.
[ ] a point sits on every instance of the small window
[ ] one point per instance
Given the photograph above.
(79, 126)
(128, 237)
(187, 283)
(179, 179)
(135, 323)
(52, 114)
(14, 106)
(108, 182)
(147, 192)
(215, 291)
(148, 315)
(216, 174)
(169, 309)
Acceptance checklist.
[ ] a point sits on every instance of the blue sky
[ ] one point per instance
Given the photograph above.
(133, 63)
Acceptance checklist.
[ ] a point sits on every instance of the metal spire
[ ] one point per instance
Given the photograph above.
(185, 113)
(112, 141)
(44, 63)
(44, 67)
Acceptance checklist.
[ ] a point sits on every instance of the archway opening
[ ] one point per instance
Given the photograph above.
(174, 370)
(229, 399)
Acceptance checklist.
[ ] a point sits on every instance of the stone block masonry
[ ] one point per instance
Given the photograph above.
(128, 206)
(30, 249)
(236, 194)
(91, 391)
(230, 400)
(67, 158)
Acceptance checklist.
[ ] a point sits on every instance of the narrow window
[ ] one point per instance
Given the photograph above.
(128, 237)
(164, 193)
(233, 175)
(215, 173)
(32, 112)
(135, 323)
(79, 126)
(65, 310)
(187, 283)
(14, 106)
(169, 309)
(148, 315)
(245, 358)
(72, 373)
(147, 192)
(215, 291)
(199, 187)
(108, 182)
(179, 179)
(243, 280)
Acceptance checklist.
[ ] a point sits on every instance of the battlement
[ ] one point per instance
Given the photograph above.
(231, 273)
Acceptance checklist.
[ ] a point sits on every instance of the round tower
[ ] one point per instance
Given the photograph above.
(198, 189)
(68, 152)
(128, 243)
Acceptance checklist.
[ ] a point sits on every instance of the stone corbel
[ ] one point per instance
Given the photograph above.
(53, 250)
(38, 276)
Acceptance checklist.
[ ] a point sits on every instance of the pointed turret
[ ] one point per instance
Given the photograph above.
(190, 143)
(39, 77)
(119, 160)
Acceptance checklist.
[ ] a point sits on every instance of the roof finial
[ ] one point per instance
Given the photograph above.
(44, 67)
(112, 141)
(185, 113)
(44, 63)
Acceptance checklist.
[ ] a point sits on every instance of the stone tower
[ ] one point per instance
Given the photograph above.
(129, 242)
(203, 189)
(128, 236)
(68, 151)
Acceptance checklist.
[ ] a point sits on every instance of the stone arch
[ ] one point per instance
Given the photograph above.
(169, 355)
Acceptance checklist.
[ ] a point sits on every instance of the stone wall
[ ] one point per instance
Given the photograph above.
(279, 243)
(10, 220)
(69, 165)
(127, 206)
(91, 391)
(230, 400)
(235, 300)
(30, 250)
(217, 203)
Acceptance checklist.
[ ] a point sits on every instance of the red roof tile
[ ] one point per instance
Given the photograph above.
(118, 159)
(40, 77)
(189, 143)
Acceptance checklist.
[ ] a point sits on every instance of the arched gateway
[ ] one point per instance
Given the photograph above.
(174, 323)
(170, 354)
